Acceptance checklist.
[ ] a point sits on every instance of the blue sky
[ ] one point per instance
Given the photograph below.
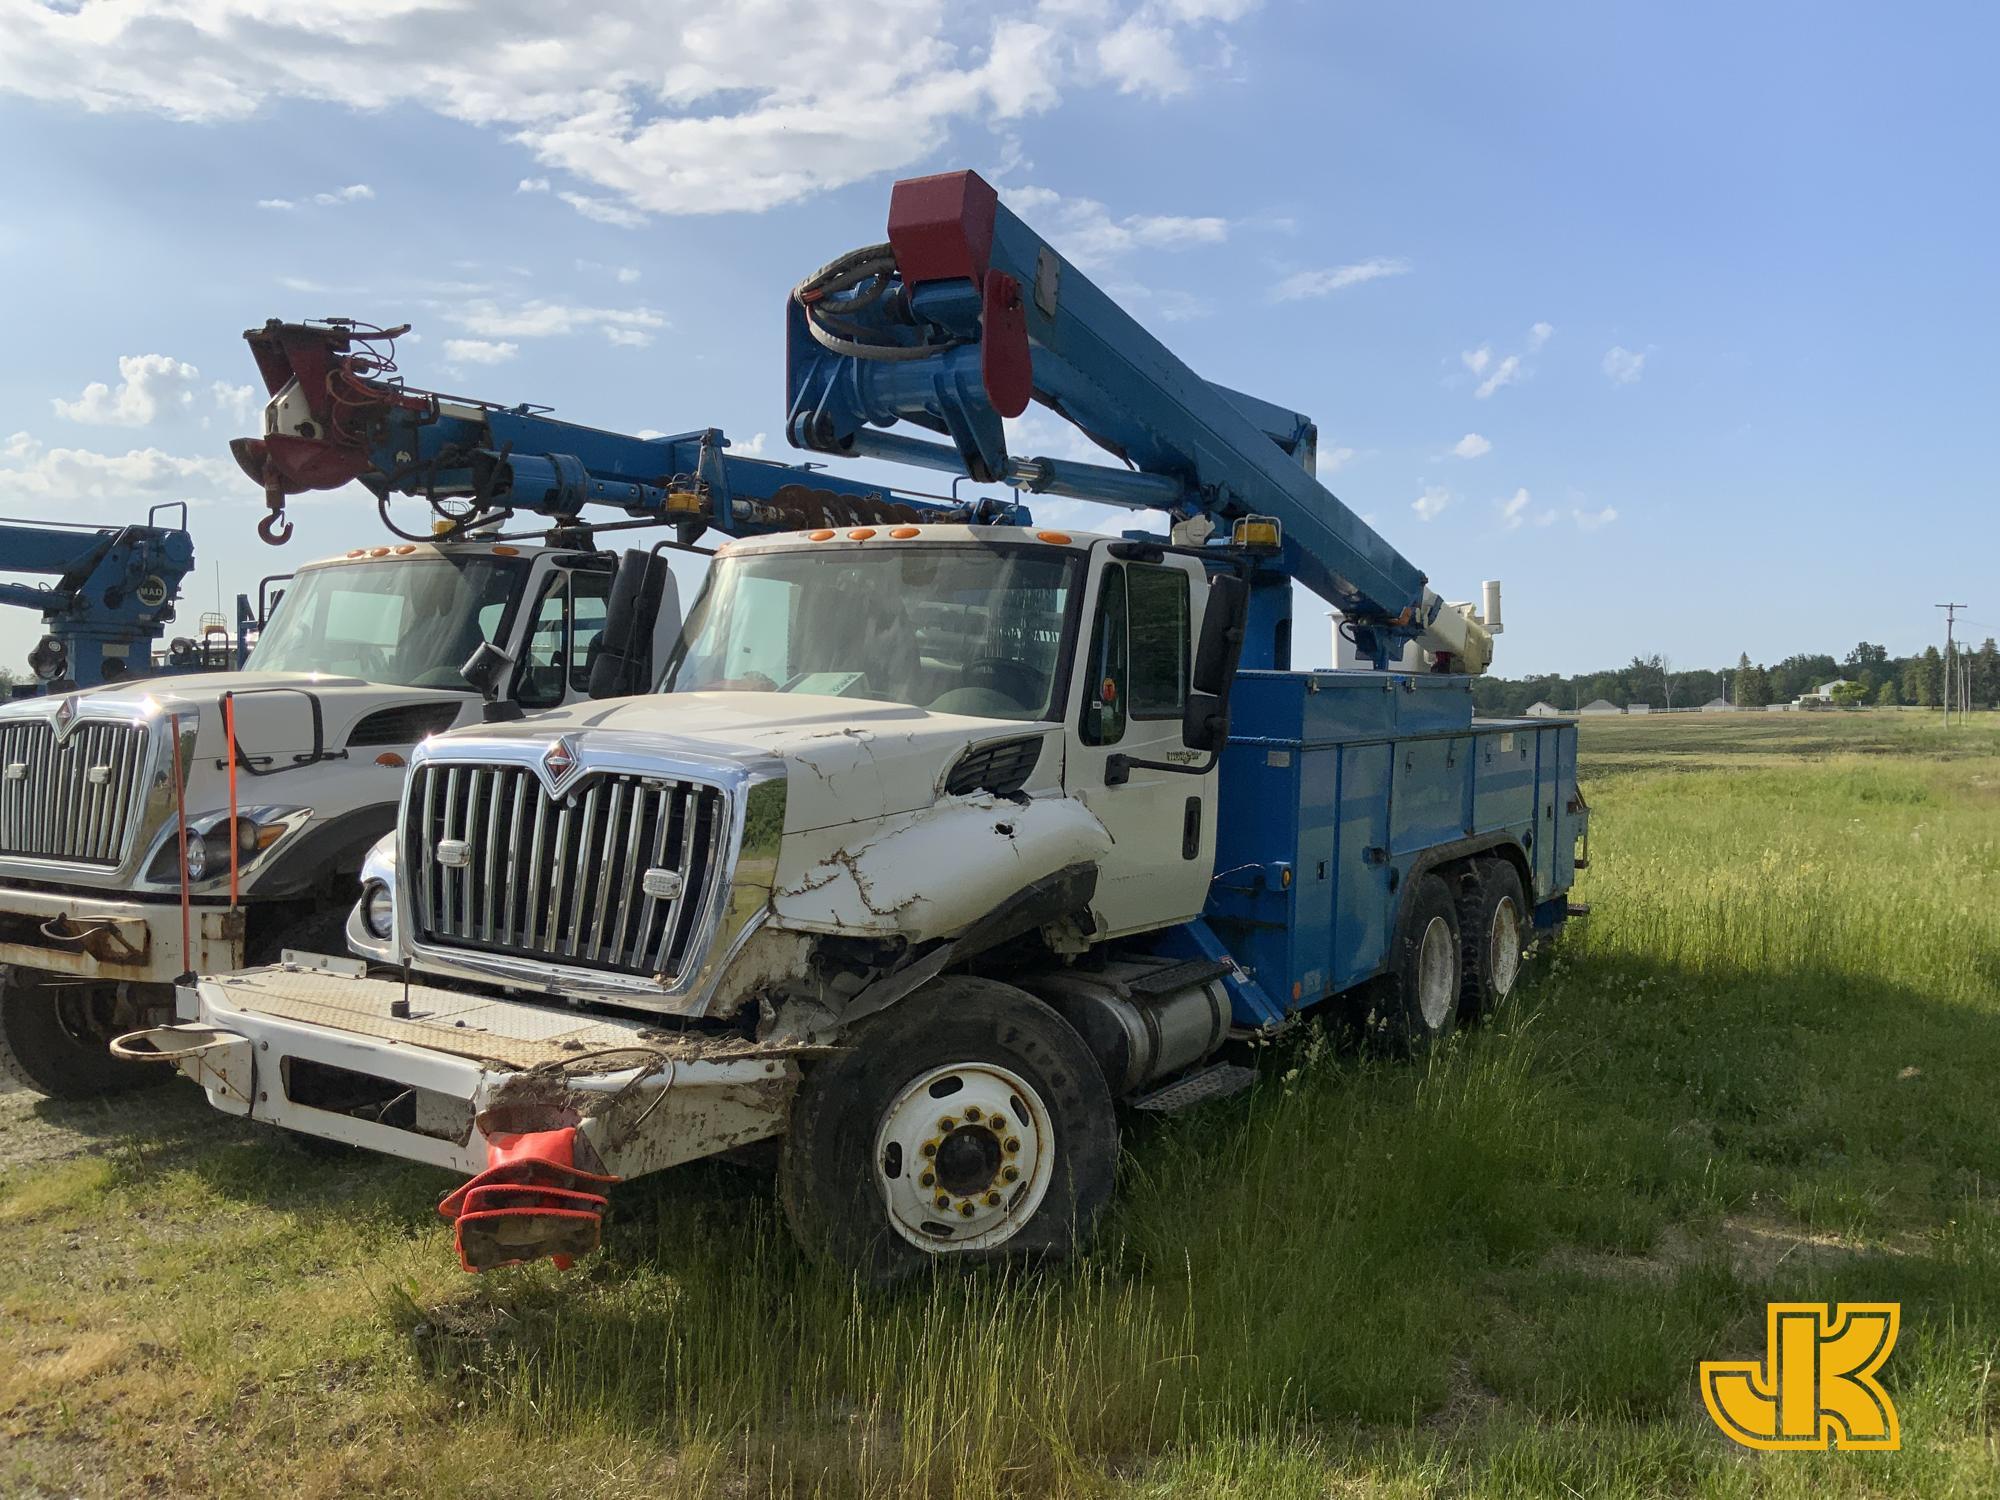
(1681, 320)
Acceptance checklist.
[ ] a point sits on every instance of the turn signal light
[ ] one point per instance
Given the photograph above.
(904, 533)
(862, 535)
(819, 536)
(1060, 538)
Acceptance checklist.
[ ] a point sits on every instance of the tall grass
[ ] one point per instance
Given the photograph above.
(1763, 1066)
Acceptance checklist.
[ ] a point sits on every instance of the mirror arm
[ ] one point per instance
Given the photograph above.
(1118, 768)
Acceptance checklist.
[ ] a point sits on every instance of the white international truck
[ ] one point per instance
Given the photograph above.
(940, 837)
(115, 801)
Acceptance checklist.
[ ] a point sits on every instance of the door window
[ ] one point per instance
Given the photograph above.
(1159, 642)
(590, 596)
(1104, 694)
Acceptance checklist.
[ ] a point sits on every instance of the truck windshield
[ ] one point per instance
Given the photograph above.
(962, 630)
(407, 622)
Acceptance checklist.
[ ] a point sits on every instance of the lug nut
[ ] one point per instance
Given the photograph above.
(929, 1148)
(1010, 1174)
(929, 1179)
(944, 1200)
(998, 1122)
(965, 1209)
(992, 1200)
(1013, 1144)
(972, 1113)
(947, 1123)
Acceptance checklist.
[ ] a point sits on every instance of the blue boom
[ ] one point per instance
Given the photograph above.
(338, 414)
(966, 315)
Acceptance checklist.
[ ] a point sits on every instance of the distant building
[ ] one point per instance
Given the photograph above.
(1601, 706)
(1639, 708)
(1541, 708)
(1718, 706)
(1821, 695)
(1778, 708)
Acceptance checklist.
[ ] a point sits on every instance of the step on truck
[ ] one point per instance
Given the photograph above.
(120, 805)
(939, 840)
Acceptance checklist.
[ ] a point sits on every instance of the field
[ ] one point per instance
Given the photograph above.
(1763, 1068)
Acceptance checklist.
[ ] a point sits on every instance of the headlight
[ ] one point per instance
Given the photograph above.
(378, 911)
(208, 844)
(197, 857)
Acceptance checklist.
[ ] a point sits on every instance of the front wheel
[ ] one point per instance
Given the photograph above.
(55, 1036)
(970, 1122)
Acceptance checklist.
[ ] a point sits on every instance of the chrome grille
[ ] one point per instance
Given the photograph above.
(73, 799)
(585, 878)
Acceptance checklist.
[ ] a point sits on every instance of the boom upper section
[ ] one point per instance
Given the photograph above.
(966, 314)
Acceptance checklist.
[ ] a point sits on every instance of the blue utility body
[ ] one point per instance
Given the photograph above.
(1339, 789)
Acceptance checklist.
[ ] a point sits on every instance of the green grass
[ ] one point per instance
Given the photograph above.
(1764, 1067)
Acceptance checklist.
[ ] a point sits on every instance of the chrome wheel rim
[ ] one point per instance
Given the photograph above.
(1503, 947)
(1437, 974)
(963, 1157)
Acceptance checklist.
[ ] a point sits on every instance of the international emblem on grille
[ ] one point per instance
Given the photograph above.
(558, 761)
(65, 711)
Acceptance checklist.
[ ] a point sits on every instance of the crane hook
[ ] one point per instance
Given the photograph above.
(274, 528)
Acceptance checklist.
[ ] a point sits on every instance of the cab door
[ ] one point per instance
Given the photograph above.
(1127, 698)
(562, 624)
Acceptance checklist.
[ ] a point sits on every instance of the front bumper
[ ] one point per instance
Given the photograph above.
(433, 1075)
(94, 937)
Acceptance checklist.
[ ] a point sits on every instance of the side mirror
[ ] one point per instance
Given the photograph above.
(622, 660)
(1222, 629)
(486, 670)
(1205, 723)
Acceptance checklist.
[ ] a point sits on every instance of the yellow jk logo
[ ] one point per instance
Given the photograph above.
(1816, 1387)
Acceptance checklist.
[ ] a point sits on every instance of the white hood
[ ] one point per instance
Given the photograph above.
(267, 722)
(848, 759)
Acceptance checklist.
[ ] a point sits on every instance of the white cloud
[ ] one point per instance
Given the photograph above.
(1622, 365)
(1142, 58)
(1546, 517)
(668, 106)
(1090, 234)
(532, 185)
(146, 384)
(1505, 373)
(355, 192)
(53, 481)
(239, 403)
(1513, 509)
(1472, 445)
(750, 447)
(1476, 360)
(1330, 461)
(1539, 335)
(1431, 503)
(479, 351)
(1324, 283)
(539, 319)
(1592, 520)
(604, 210)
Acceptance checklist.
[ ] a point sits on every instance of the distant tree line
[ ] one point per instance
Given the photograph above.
(1877, 678)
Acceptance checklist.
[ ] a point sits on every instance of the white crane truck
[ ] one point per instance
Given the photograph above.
(938, 839)
(116, 878)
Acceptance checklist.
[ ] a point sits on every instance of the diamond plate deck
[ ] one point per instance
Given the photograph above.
(1216, 1082)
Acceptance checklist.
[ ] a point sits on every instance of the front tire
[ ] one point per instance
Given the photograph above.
(55, 1037)
(969, 1123)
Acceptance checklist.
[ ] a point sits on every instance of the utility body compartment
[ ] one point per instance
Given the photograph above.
(1338, 789)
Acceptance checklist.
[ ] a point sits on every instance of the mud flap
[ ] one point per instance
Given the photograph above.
(531, 1201)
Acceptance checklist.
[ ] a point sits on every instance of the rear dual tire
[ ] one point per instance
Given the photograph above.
(1493, 918)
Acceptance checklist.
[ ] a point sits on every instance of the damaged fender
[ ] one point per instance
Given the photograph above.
(932, 873)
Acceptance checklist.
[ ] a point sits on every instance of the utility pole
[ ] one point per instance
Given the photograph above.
(1950, 684)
